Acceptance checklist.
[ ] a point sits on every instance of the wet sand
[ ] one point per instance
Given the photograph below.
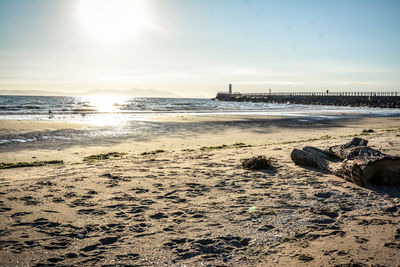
(21, 126)
(192, 203)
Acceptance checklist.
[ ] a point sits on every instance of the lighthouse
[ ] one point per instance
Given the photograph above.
(230, 88)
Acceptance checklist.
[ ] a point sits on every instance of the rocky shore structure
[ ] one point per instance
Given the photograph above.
(353, 99)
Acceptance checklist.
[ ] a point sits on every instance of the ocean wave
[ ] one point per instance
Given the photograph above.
(19, 107)
(34, 105)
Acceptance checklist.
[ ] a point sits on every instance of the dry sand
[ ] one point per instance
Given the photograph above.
(193, 206)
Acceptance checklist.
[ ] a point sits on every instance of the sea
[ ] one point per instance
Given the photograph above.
(129, 117)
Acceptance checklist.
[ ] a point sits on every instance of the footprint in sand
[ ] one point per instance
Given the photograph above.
(59, 244)
(96, 212)
(81, 202)
(29, 201)
(139, 190)
(158, 216)
(127, 257)
(210, 248)
(140, 227)
(109, 240)
(17, 216)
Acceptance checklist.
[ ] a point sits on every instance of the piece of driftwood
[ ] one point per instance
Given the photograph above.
(354, 161)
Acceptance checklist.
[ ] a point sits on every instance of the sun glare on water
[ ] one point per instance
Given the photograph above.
(113, 20)
(105, 104)
(103, 110)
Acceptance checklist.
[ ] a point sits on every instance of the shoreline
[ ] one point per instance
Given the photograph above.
(186, 132)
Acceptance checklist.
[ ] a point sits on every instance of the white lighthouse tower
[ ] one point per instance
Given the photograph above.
(230, 88)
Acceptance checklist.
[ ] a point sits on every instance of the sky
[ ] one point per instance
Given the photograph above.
(197, 47)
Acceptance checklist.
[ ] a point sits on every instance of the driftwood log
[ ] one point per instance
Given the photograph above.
(354, 161)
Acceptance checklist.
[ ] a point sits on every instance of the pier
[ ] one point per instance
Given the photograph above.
(390, 99)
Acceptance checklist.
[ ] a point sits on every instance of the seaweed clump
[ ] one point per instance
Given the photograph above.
(111, 155)
(152, 152)
(235, 145)
(29, 164)
(257, 163)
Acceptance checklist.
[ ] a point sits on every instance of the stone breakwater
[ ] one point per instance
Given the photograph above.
(375, 101)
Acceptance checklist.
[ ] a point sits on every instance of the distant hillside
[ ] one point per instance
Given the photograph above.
(131, 92)
(30, 92)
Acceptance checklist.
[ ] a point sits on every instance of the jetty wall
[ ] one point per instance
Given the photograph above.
(353, 99)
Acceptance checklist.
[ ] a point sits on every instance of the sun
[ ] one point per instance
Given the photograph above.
(113, 20)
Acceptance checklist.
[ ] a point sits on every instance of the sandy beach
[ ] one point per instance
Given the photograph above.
(199, 133)
(184, 199)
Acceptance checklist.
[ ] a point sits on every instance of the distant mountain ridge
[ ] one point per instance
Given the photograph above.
(132, 92)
